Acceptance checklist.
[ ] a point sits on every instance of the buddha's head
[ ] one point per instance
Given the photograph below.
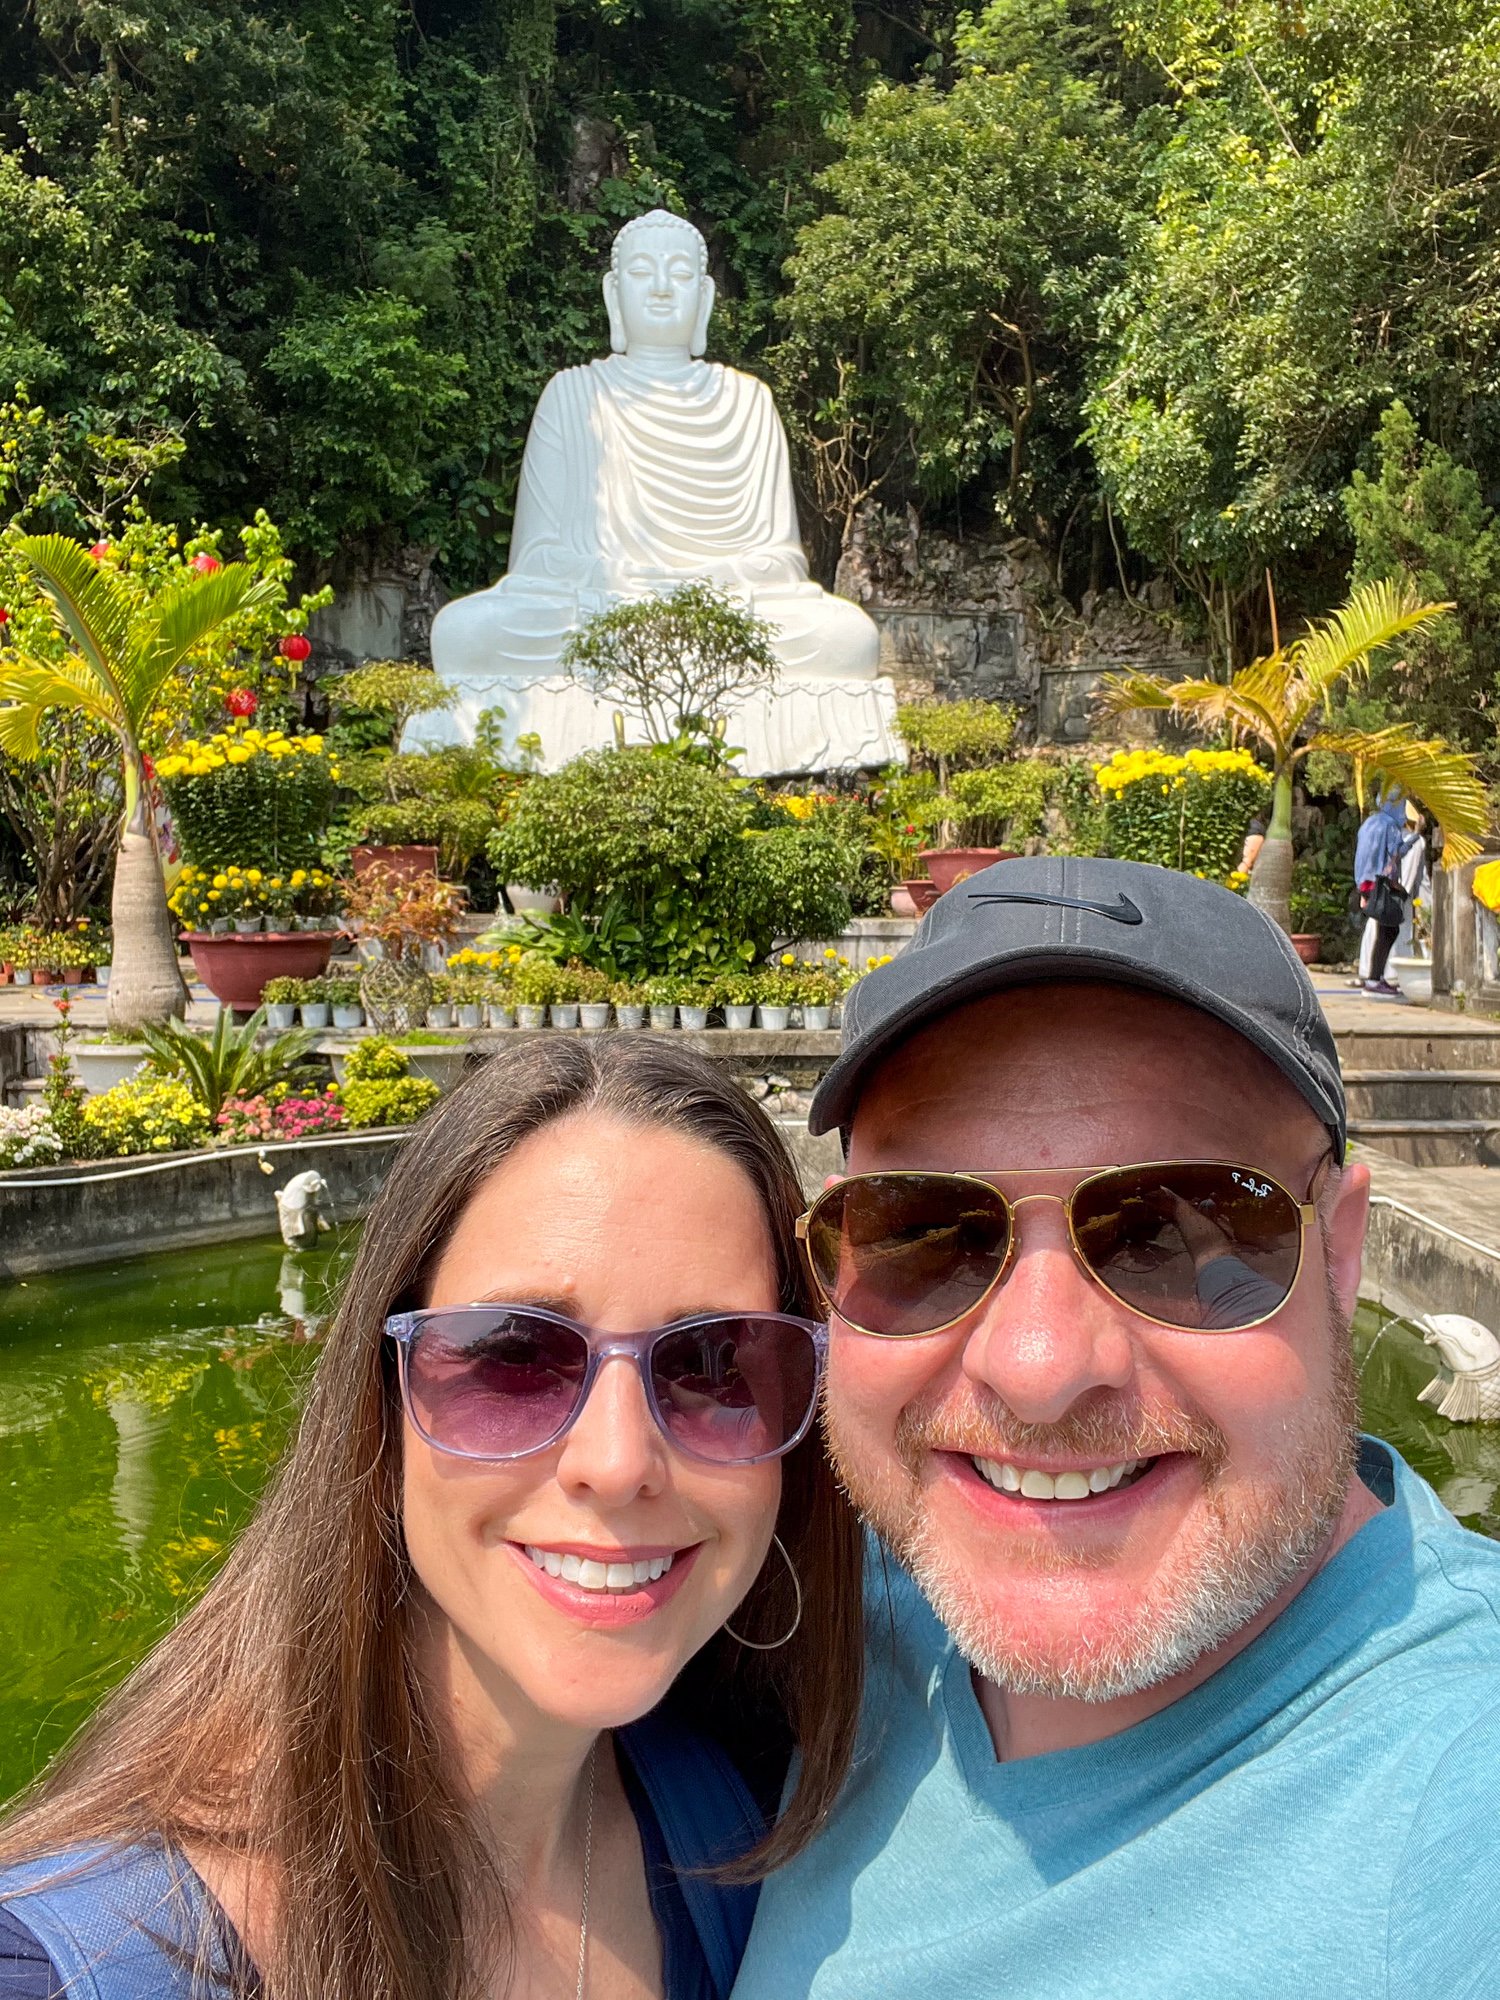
(657, 288)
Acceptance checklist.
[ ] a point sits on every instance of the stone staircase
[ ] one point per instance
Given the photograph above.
(1423, 1087)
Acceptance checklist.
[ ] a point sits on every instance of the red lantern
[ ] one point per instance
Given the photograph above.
(295, 647)
(100, 550)
(241, 701)
(205, 564)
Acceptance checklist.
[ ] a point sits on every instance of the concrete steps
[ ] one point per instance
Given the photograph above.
(1423, 1088)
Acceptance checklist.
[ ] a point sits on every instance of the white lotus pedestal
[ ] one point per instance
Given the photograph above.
(805, 724)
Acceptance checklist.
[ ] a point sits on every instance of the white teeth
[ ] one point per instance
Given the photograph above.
(590, 1575)
(1033, 1484)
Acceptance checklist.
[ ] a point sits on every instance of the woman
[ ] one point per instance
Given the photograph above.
(462, 1706)
(1379, 845)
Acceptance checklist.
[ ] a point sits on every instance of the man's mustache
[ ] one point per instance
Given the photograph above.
(1104, 1430)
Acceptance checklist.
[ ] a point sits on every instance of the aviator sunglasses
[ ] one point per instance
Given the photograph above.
(1200, 1245)
(499, 1382)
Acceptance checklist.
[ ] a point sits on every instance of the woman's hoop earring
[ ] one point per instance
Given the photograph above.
(772, 1645)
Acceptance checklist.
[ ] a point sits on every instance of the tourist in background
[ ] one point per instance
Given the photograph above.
(1378, 847)
(463, 1712)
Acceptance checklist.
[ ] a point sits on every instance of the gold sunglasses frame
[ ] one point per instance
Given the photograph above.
(988, 1177)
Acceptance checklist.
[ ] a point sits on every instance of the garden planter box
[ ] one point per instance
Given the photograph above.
(402, 863)
(949, 866)
(235, 969)
(101, 1065)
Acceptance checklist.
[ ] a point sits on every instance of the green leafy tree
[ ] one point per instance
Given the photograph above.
(1421, 519)
(119, 657)
(1279, 703)
(679, 662)
(969, 233)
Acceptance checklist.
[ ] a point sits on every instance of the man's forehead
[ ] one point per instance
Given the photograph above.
(1074, 1072)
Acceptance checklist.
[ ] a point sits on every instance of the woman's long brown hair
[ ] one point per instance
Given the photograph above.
(284, 1718)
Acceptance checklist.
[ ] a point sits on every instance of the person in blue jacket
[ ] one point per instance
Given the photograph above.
(497, 1693)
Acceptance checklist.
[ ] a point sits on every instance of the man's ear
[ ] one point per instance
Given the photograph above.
(1344, 1215)
(612, 307)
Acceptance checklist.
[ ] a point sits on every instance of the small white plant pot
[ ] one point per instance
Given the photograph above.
(816, 1017)
(219, 927)
(836, 1015)
(627, 1016)
(246, 926)
(440, 1016)
(101, 975)
(471, 1015)
(773, 1017)
(565, 1014)
(23, 975)
(664, 1017)
(499, 1017)
(348, 1017)
(314, 1013)
(693, 1018)
(739, 1017)
(531, 1017)
(593, 1015)
(1414, 976)
(281, 1015)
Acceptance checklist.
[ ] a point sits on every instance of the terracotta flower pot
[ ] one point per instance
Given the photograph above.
(235, 969)
(949, 866)
(923, 892)
(1308, 946)
(401, 862)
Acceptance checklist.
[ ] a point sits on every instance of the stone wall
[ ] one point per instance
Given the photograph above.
(958, 618)
(983, 616)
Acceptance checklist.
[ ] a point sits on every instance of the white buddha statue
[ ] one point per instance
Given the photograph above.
(643, 471)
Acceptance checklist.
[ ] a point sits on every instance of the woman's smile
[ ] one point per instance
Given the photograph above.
(606, 1586)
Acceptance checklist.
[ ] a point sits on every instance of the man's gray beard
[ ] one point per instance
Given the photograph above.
(1223, 1572)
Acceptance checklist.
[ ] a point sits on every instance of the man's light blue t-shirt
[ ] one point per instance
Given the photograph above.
(1320, 1818)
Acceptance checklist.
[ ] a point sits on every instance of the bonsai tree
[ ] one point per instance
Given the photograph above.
(121, 655)
(679, 663)
(1278, 703)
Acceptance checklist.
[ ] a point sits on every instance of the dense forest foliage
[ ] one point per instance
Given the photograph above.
(1199, 287)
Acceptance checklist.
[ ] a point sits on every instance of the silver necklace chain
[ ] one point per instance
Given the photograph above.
(588, 1863)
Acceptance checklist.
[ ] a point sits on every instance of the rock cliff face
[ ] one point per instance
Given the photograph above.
(983, 617)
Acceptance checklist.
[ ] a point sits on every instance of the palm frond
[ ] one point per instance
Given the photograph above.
(1339, 647)
(1122, 694)
(30, 688)
(181, 619)
(1213, 705)
(90, 605)
(1440, 779)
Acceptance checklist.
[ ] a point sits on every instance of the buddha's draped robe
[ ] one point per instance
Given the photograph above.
(636, 479)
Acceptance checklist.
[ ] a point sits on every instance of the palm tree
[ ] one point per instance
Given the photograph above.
(1278, 703)
(123, 654)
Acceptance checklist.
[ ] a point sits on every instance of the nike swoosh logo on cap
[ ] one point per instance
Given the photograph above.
(1122, 911)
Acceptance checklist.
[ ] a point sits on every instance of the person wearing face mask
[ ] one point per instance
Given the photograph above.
(497, 1692)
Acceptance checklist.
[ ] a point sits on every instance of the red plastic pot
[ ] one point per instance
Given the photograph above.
(922, 892)
(402, 863)
(949, 866)
(72, 975)
(1308, 946)
(235, 969)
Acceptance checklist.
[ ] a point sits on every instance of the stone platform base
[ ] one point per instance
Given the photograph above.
(805, 724)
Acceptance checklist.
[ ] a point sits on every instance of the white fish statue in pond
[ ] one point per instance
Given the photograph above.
(1470, 1393)
(304, 1208)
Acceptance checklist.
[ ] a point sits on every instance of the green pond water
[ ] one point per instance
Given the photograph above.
(141, 1407)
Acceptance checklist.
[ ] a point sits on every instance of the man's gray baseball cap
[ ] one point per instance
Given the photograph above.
(1060, 917)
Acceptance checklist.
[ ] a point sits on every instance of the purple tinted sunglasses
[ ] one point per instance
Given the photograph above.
(498, 1382)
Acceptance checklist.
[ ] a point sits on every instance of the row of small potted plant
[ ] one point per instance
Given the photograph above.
(248, 900)
(532, 991)
(316, 1003)
(33, 957)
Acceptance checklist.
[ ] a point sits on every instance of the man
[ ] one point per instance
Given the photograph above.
(1200, 1696)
